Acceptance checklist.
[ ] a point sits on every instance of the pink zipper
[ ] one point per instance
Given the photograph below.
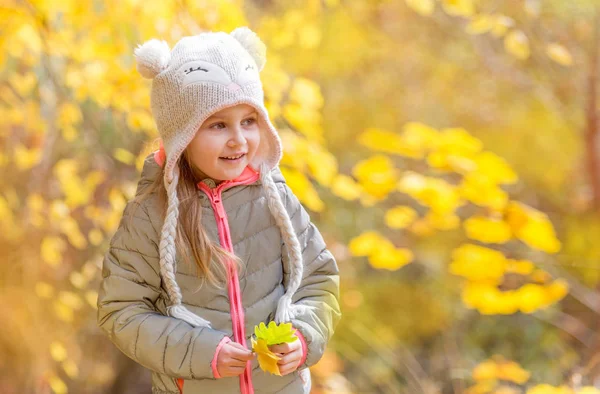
(237, 310)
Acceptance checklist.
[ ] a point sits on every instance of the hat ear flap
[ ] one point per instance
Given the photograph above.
(253, 44)
(152, 57)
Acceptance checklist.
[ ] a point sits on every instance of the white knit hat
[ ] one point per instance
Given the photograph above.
(201, 75)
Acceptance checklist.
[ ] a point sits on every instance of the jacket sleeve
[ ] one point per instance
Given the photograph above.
(319, 287)
(126, 306)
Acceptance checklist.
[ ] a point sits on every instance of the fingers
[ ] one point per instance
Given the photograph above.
(239, 352)
(282, 348)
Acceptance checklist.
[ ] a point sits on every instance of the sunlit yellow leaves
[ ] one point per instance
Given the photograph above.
(496, 24)
(381, 252)
(437, 194)
(26, 158)
(459, 7)
(387, 256)
(547, 389)
(95, 236)
(91, 296)
(487, 230)
(522, 267)
(274, 333)
(366, 243)
(266, 336)
(377, 175)
(345, 187)
(124, 156)
(532, 227)
(267, 360)
(494, 168)
(498, 368)
(309, 36)
(140, 120)
(442, 220)
(516, 43)
(69, 116)
(480, 24)
(303, 109)
(488, 299)
(70, 368)
(414, 141)
(303, 189)
(63, 312)
(70, 299)
(482, 191)
(422, 7)
(52, 249)
(44, 290)
(452, 147)
(23, 84)
(77, 191)
(400, 217)
(322, 165)
(477, 263)
(57, 385)
(58, 351)
(559, 54)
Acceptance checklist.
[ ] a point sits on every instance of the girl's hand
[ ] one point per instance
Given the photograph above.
(232, 358)
(290, 353)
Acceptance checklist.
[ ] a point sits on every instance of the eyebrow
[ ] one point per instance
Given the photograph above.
(218, 117)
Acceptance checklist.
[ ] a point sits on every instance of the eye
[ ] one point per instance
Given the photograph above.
(250, 121)
(212, 126)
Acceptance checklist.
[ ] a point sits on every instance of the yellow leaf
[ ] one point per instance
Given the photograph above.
(309, 36)
(70, 368)
(303, 189)
(124, 156)
(26, 158)
(44, 290)
(459, 7)
(387, 256)
(365, 244)
(487, 230)
(70, 299)
(57, 385)
(274, 333)
(95, 236)
(422, 7)
(52, 249)
(511, 371)
(559, 54)
(91, 296)
(58, 351)
(480, 24)
(477, 262)
(63, 312)
(267, 360)
(532, 297)
(400, 217)
(345, 187)
(377, 175)
(485, 370)
(77, 280)
(517, 44)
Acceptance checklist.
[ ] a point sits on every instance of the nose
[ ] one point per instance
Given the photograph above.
(238, 136)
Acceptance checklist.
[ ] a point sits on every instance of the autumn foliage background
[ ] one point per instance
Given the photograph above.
(447, 150)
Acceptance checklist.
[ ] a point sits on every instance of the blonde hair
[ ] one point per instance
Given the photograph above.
(192, 241)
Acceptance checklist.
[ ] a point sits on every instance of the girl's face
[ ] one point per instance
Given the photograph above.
(231, 132)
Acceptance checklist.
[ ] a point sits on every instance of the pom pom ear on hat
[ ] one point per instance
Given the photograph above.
(152, 57)
(253, 44)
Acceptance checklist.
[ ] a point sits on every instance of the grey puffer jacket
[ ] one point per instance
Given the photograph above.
(132, 300)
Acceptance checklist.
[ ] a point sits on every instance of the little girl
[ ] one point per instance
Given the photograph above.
(215, 242)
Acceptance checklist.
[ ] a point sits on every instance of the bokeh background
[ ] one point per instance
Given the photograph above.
(447, 150)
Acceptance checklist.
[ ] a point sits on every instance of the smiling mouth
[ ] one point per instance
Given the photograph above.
(233, 158)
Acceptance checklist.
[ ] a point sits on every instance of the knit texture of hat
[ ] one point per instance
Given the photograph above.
(201, 75)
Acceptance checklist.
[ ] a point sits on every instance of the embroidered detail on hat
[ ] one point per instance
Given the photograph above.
(212, 73)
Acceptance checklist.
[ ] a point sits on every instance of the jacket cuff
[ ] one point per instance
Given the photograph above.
(213, 364)
(304, 346)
